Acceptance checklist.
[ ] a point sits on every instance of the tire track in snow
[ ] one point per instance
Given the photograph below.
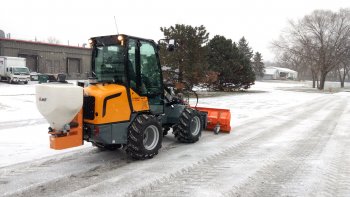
(271, 179)
(330, 177)
(246, 137)
(333, 173)
(50, 186)
(343, 180)
(99, 164)
(192, 181)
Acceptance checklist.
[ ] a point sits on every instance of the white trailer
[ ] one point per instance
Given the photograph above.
(14, 70)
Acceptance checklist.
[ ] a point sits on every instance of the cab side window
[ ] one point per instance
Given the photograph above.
(150, 71)
(131, 64)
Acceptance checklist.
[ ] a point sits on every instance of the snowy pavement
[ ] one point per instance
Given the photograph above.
(283, 143)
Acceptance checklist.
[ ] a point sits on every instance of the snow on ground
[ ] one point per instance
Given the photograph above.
(287, 140)
(24, 131)
(266, 97)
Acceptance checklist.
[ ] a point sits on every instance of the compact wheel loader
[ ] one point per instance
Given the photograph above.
(125, 104)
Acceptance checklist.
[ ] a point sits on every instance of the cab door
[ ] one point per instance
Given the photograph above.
(143, 58)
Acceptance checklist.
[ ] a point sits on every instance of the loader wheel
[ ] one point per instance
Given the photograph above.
(189, 128)
(144, 137)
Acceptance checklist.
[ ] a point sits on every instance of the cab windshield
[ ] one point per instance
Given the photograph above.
(18, 71)
(109, 64)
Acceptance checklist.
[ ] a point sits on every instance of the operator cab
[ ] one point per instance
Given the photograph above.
(132, 62)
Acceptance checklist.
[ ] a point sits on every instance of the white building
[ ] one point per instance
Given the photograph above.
(272, 72)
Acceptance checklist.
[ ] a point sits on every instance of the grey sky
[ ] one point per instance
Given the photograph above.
(260, 21)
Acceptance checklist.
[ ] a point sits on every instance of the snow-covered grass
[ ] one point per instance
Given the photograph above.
(267, 97)
(24, 135)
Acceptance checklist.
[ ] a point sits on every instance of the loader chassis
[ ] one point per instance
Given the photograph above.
(126, 105)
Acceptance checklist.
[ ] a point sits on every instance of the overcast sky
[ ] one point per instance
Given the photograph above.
(260, 21)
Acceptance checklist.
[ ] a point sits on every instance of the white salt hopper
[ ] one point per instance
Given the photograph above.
(59, 103)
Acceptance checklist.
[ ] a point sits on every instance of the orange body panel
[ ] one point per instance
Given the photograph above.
(111, 103)
(115, 99)
(139, 103)
(74, 137)
(217, 116)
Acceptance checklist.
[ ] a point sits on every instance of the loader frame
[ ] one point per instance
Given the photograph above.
(122, 109)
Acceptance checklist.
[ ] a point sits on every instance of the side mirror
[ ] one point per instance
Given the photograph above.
(171, 45)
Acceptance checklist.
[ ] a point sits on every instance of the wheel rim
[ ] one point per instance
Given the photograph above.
(150, 137)
(195, 125)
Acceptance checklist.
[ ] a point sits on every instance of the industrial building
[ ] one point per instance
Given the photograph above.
(49, 58)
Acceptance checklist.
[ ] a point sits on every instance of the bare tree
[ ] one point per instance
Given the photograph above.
(294, 62)
(343, 70)
(320, 40)
(53, 40)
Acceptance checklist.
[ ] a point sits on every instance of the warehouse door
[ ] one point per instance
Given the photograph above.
(31, 61)
(73, 65)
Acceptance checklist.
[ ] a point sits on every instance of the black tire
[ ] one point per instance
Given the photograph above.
(189, 128)
(9, 80)
(145, 137)
(26, 82)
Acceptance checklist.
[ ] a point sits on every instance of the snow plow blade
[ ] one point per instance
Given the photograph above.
(218, 119)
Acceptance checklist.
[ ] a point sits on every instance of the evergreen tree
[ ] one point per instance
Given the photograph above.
(189, 57)
(246, 71)
(231, 62)
(258, 65)
(245, 49)
(220, 59)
